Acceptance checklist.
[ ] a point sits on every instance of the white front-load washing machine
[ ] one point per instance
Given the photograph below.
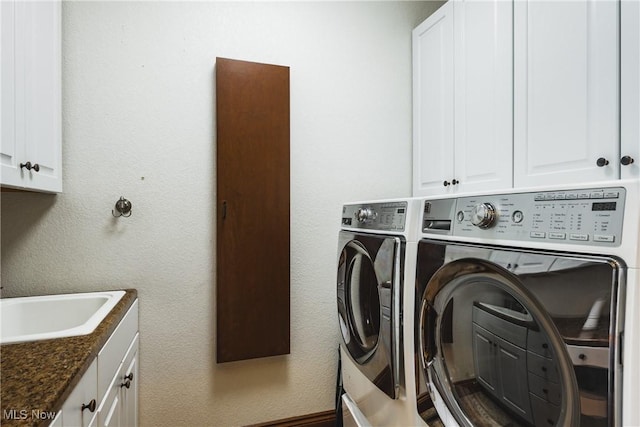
(376, 260)
(527, 308)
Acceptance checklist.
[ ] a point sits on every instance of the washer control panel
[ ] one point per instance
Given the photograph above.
(390, 216)
(592, 216)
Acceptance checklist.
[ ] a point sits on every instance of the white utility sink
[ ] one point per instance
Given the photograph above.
(54, 316)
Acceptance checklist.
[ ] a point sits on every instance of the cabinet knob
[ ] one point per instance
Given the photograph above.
(129, 377)
(91, 406)
(446, 183)
(126, 384)
(626, 160)
(455, 182)
(602, 162)
(29, 166)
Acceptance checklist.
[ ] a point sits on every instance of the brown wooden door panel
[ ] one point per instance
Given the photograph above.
(252, 289)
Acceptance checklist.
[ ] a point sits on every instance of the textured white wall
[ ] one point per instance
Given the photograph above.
(138, 118)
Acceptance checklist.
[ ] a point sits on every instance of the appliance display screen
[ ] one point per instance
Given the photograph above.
(604, 206)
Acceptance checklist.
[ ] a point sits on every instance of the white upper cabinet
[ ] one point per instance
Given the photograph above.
(433, 103)
(566, 93)
(462, 77)
(30, 154)
(630, 89)
(8, 148)
(483, 94)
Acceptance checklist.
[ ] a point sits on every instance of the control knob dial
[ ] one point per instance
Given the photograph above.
(365, 214)
(483, 215)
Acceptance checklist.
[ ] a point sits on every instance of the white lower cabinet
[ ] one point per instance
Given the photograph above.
(120, 405)
(79, 410)
(129, 387)
(57, 421)
(107, 394)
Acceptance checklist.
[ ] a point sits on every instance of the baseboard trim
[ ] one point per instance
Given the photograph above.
(319, 419)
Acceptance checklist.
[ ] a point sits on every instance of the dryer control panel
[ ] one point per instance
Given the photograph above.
(592, 216)
(390, 216)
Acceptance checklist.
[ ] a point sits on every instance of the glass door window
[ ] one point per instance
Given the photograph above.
(504, 348)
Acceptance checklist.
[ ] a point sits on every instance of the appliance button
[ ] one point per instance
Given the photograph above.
(603, 238)
(538, 234)
(460, 216)
(597, 195)
(581, 237)
(538, 197)
(583, 195)
(557, 236)
(560, 196)
(571, 196)
(517, 217)
(611, 195)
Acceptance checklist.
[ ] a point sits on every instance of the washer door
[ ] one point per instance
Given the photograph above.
(368, 311)
(479, 329)
(359, 308)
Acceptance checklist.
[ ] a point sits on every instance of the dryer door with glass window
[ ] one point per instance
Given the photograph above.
(519, 338)
(368, 305)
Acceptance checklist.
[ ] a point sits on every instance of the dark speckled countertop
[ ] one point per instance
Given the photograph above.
(39, 375)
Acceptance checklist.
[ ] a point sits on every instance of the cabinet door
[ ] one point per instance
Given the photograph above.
(483, 359)
(110, 414)
(511, 366)
(31, 94)
(566, 113)
(630, 88)
(433, 103)
(130, 392)
(10, 151)
(84, 394)
(57, 421)
(483, 94)
(253, 124)
(40, 127)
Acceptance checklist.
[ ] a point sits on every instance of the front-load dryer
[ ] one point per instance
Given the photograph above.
(376, 244)
(527, 308)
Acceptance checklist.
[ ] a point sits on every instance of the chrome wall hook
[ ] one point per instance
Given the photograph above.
(122, 208)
